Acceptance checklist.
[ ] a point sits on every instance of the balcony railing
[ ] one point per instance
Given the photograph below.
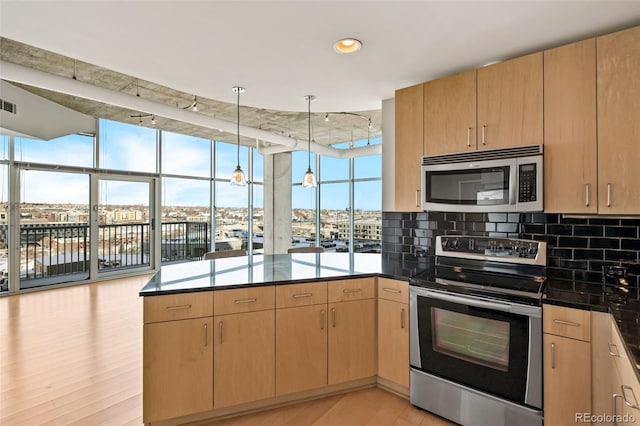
(53, 253)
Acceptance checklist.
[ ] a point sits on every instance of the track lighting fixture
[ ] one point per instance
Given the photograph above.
(326, 117)
(309, 180)
(194, 107)
(237, 178)
(141, 116)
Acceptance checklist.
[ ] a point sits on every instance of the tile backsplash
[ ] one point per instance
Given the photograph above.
(577, 248)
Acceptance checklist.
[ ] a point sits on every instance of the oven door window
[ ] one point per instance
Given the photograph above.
(478, 347)
(486, 186)
(470, 338)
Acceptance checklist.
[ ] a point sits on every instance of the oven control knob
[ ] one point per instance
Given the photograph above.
(454, 243)
(445, 243)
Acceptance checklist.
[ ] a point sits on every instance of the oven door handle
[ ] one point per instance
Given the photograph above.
(530, 311)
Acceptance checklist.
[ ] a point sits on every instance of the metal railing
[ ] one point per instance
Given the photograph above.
(49, 253)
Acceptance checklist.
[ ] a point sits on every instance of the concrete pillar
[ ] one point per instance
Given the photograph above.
(388, 154)
(277, 203)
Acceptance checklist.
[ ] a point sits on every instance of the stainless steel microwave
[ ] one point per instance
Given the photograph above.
(498, 180)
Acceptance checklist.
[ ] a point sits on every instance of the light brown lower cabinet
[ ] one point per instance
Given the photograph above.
(243, 357)
(567, 379)
(177, 368)
(351, 340)
(615, 383)
(301, 348)
(393, 341)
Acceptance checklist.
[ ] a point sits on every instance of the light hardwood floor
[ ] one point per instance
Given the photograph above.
(73, 356)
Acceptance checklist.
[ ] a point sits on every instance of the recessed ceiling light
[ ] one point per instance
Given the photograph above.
(347, 45)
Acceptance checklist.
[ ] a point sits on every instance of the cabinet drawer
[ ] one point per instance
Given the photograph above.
(244, 300)
(288, 296)
(394, 290)
(567, 322)
(178, 306)
(355, 289)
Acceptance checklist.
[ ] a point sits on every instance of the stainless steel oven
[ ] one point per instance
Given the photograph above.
(508, 179)
(476, 332)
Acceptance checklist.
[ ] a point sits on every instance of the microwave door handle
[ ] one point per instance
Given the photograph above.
(513, 186)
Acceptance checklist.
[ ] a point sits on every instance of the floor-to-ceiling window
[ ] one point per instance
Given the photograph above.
(186, 197)
(303, 201)
(231, 202)
(4, 213)
(123, 172)
(350, 201)
(367, 194)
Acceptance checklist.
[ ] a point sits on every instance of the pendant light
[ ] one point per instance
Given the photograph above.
(237, 178)
(309, 180)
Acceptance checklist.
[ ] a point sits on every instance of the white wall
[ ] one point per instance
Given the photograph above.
(40, 118)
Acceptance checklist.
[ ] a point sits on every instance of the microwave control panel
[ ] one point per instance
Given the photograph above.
(527, 183)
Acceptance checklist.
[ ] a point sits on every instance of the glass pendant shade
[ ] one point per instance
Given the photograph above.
(238, 179)
(309, 180)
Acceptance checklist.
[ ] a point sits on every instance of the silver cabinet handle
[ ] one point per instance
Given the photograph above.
(220, 327)
(553, 355)
(333, 317)
(245, 301)
(572, 324)
(322, 319)
(468, 136)
(175, 308)
(351, 290)
(630, 404)
(586, 195)
(484, 127)
(206, 337)
(402, 318)
(391, 290)
(614, 411)
(298, 296)
(611, 352)
(608, 195)
(417, 198)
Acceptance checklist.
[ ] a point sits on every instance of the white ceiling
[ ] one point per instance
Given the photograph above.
(282, 50)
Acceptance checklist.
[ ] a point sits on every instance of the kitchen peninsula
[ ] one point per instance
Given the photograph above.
(237, 334)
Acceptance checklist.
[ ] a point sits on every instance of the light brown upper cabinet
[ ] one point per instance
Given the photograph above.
(492, 107)
(570, 148)
(618, 65)
(450, 114)
(408, 148)
(510, 103)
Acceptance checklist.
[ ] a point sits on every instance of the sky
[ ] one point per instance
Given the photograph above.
(128, 147)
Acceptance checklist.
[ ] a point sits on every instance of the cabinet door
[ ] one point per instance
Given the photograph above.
(450, 114)
(570, 149)
(352, 340)
(603, 369)
(244, 357)
(619, 122)
(301, 348)
(177, 368)
(510, 103)
(567, 379)
(393, 341)
(408, 148)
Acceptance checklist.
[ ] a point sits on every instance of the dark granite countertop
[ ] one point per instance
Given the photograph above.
(625, 309)
(256, 270)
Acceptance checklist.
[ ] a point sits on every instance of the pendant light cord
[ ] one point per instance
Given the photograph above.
(309, 145)
(238, 123)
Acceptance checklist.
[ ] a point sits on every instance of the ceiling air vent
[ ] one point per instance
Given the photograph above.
(8, 106)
